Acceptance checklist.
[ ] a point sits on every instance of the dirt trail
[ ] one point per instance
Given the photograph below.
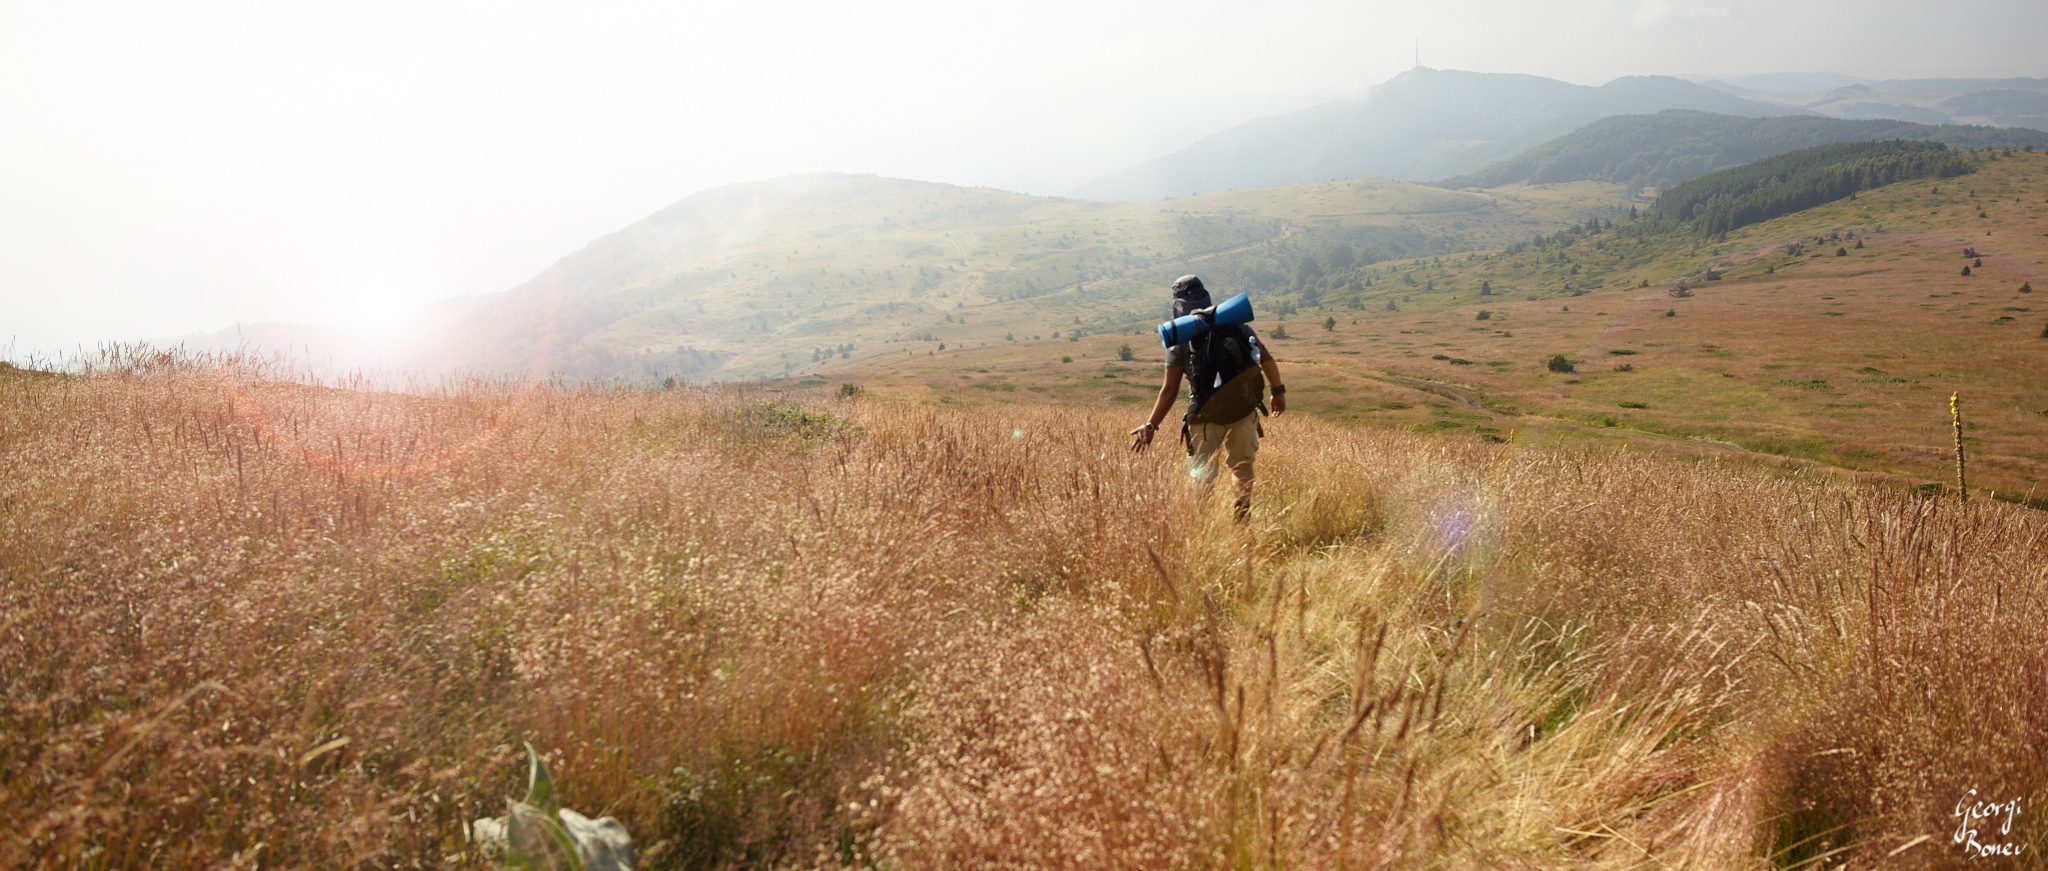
(1467, 397)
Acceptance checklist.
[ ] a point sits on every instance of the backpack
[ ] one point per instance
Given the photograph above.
(1227, 383)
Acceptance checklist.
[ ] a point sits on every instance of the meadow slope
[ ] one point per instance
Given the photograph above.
(1833, 335)
(250, 622)
(788, 276)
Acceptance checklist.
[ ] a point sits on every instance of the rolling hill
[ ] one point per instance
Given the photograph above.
(1677, 145)
(1423, 124)
(781, 277)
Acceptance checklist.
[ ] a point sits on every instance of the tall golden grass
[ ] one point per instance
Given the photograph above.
(250, 621)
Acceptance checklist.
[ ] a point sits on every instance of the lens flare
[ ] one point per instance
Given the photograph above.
(333, 461)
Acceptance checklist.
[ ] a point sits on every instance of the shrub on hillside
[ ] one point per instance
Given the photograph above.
(1559, 363)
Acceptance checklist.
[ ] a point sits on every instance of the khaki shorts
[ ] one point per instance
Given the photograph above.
(1238, 440)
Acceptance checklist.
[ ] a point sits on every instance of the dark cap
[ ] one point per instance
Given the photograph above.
(1188, 295)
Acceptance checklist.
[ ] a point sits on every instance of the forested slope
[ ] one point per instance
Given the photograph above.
(1799, 180)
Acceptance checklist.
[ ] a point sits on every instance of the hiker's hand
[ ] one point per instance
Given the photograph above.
(1280, 405)
(1142, 437)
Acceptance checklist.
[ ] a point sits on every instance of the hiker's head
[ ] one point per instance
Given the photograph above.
(1189, 295)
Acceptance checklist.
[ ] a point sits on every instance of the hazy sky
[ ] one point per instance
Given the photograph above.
(170, 167)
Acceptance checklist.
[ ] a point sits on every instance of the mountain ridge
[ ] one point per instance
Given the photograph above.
(1423, 124)
(1677, 145)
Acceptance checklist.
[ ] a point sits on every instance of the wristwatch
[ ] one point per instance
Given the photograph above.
(1279, 390)
(1151, 427)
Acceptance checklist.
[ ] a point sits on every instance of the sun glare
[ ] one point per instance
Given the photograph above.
(381, 315)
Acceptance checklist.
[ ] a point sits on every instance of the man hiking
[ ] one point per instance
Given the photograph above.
(1228, 370)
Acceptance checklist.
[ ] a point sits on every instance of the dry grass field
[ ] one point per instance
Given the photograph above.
(247, 622)
(1846, 360)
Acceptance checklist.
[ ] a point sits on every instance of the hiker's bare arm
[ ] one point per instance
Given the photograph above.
(1142, 435)
(1272, 370)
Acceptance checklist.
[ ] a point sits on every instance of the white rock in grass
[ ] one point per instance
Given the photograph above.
(530, 837)
(602, 843)
(537, 841)
(490, 837)
(526, 837)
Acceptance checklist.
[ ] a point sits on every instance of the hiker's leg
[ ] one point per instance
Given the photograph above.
(1240, 449)
(1243, 476)
(1206, 441)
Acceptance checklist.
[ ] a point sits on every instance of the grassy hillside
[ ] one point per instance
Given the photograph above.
(1674, 146)
(1782, 346)
(254, 622)
(1422, 124)
(2017, 108)
(780, 277)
